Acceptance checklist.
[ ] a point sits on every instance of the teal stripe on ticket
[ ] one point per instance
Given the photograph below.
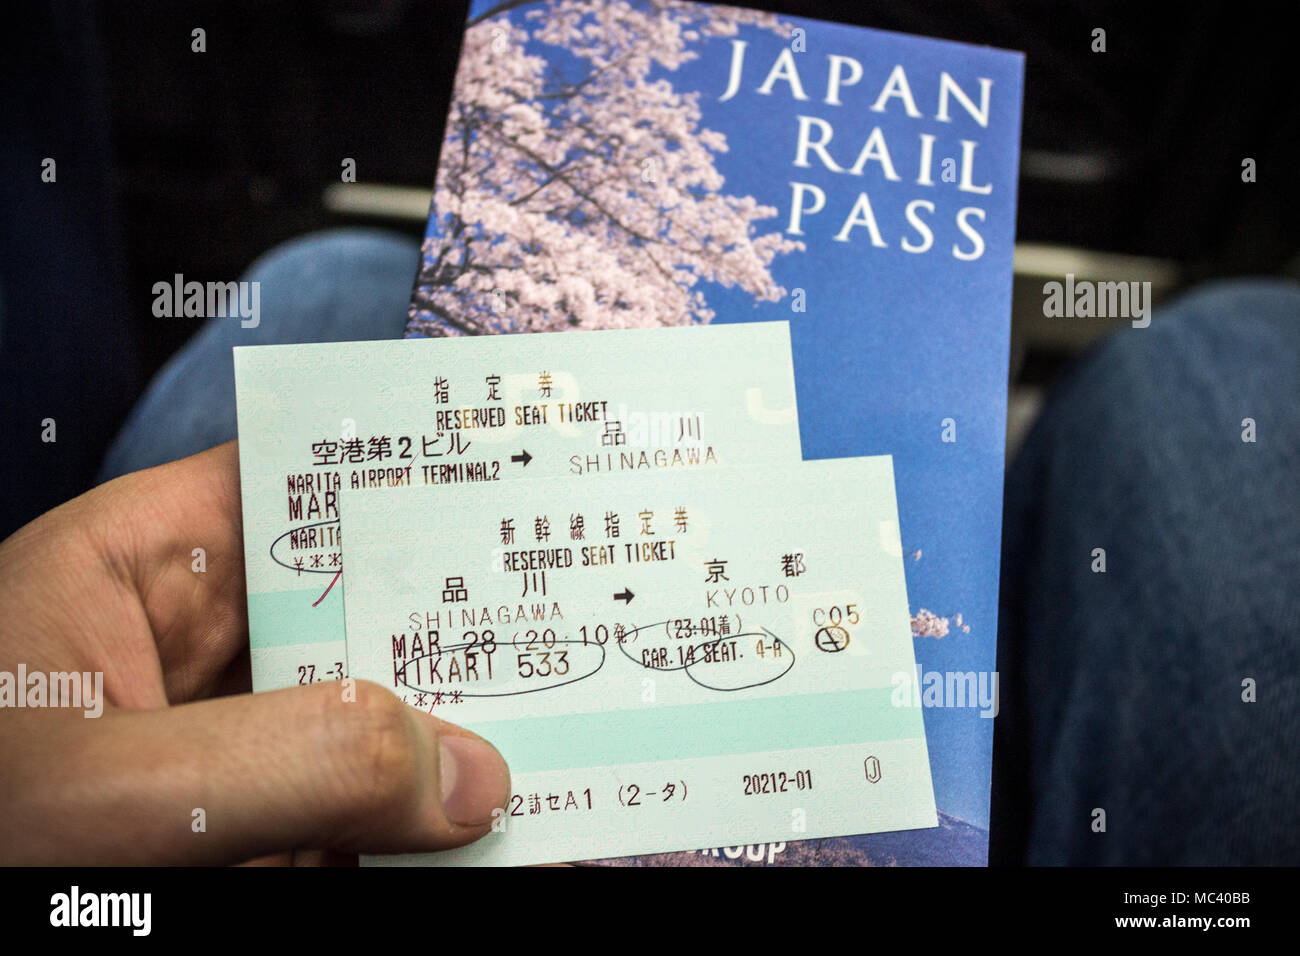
(282, 618)
(612, 738)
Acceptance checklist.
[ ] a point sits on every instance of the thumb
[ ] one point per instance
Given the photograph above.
(295, 769)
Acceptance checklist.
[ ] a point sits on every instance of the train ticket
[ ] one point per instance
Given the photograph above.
(439, 414)
(665, 664)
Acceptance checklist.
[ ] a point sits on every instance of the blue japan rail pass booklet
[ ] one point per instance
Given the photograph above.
(648, 162)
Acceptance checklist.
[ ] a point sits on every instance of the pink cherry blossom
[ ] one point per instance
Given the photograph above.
(587, 202)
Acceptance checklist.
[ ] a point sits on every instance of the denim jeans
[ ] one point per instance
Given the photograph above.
(342, 286)
(1148, 711)
(1164, 691)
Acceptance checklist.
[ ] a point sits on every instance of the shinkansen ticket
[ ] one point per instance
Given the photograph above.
(666, 660)
(444, 415)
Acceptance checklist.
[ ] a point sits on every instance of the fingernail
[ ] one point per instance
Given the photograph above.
(474, 780)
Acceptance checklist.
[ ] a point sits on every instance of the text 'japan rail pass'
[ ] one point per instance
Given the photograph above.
(317, 420)
(665, 663)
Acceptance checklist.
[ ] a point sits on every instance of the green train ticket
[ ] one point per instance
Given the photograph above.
(666, 662)
(443, 415)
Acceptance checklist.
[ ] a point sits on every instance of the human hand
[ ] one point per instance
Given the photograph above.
(104, 584)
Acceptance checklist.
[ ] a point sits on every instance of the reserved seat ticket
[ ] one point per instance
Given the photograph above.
(445, 415)
(667, 660)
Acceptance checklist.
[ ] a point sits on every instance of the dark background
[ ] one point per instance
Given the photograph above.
(171, 161)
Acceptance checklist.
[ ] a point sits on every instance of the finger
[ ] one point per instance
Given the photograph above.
(158, 557)
(173, 535)
(293, 769)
